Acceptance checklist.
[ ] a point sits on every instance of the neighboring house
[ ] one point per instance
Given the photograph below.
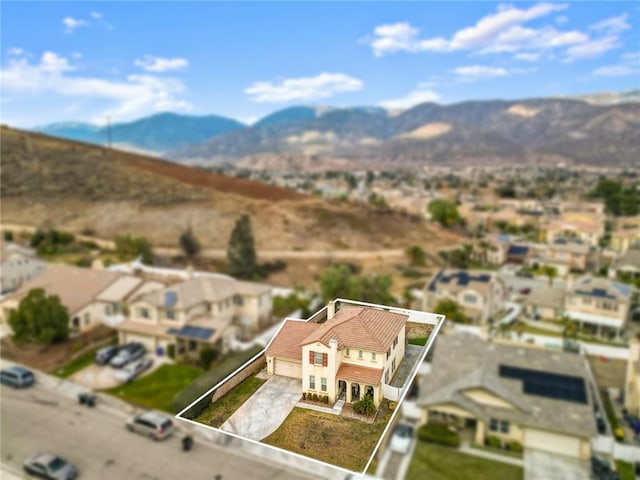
(198, 313)
(565, 255)
(600, 306)
(538, 398)
(545, 303)
(588, 228)
(625, 234)
(493, 250)
(517, 254)
(89, 295)
(354, 353)
(481, 295)
(18, 266)
(632, 384)
(626, 264)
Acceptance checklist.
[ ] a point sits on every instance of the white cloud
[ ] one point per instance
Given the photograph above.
(527, 57)
(420, 95)
(561, 19)
(469, 73)
(15, 51)
(303, 88)
(612, 25)
(160, 64)
(629, 64)
(592, 48)
(96, 15)
(132, 97)
(71, 24)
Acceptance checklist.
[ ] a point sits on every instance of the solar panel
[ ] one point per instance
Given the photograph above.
(545, 384)
(170, 299)
(200, 333)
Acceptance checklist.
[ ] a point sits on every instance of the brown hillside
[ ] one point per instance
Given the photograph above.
(76, 186)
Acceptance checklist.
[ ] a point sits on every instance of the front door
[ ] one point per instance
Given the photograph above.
(342, 389)
(355, 392)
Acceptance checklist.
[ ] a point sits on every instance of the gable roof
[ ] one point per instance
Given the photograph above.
(286, 343)
(463, 361)
(75, 286)
(360, 374)
(360, 327)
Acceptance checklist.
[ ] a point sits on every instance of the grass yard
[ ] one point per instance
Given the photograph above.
(436, 462)
(625, 469)
(158, 389)
(334, 439)
(217, 413)
(422, 341)
(77, 364)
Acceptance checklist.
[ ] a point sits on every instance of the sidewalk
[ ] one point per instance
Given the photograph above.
(496, 457)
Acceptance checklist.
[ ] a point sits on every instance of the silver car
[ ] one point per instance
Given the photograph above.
(133, 369)
(152, 424)
(50, 466)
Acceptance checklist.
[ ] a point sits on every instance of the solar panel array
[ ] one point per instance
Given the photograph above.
(549, 385)
(200, 333)
(170, 299)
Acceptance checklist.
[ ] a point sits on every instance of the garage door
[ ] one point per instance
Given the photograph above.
(287, 368)
(147, 341)
(552, 442)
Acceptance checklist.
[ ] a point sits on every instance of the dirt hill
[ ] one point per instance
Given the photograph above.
(77, 186)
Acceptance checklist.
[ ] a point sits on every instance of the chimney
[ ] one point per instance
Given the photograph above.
(331, 310)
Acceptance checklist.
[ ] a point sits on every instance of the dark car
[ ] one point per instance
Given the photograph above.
(634, 423)
(525, 291)
(104, 355)
(602, 468)
(128, 353)
(50, 466)
(17, 377)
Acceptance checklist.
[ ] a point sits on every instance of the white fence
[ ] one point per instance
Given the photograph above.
(593, 349)
(608, 446)
(392, 393)
(605, 351)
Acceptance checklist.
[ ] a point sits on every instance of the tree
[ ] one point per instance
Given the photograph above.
(241, 251)
(444, 212)
(451, 310)
(189, 244)
(339, 281)
(40, 318)
(551, 272)
(129, 248)
(416, 255)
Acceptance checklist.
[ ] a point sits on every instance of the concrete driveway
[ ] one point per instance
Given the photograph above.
(540, 465)
(97, 377)
(266, 409)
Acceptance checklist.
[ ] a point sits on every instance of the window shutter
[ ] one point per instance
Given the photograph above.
(311, 357)
(325, 359)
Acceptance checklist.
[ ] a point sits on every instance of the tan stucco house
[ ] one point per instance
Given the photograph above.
(199, 312)
(18, 265)
(538, 398)
(354, 353)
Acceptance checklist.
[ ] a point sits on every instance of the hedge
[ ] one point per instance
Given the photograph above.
(438, 434)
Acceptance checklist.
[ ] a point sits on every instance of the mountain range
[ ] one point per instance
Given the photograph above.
(595, 129)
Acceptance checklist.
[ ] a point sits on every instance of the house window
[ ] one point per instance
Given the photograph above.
(107, 309)
(318, 358)
(143, 312)
(373, 356)
(87, 318)
(171, 314)
(359, 353)
(393, 365)
(469, 298)
(388, 353)
(323, 384)
(347, 352)
(386, 377)
(501, 426)
(395, 342)
(312, 382)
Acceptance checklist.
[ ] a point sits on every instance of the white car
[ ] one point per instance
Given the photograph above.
(401, 438)
(133, 369)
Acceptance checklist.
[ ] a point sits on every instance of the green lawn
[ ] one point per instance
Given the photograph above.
(625, 469)
(158, 389)
(443, 463)
(418, 341)
(77, 364)
(217, 413)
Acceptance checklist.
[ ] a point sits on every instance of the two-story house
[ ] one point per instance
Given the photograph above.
(200, 312)
(600, 306)
(481, 295)
(18, 265)
(354, 353)
(586, 227)
(564, 255)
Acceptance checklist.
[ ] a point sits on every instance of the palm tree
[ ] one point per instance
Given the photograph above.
(551, 272)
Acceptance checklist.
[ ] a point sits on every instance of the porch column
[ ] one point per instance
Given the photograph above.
(348, 397)
(599, 331)
(479, 432)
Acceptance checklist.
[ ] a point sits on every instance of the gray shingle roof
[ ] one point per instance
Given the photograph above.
(462, 362)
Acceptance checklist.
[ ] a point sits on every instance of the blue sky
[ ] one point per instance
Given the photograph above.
(88, 61)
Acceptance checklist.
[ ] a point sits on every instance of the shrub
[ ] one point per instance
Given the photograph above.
(438, 434)
(171, 351)
(364, 406)
(315, 397)
(493, 442)
(207, 356)
(326, 399)
(515, 447)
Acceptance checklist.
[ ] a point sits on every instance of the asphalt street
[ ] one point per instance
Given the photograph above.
(95, 440)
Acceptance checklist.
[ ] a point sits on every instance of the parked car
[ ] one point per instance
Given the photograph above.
(603, 468)
(133, 369)
(401, 438)
(105, 354)
(525, 291)
(17, 377)
(128, 353)
(151, 424)
(634, 423)
(50, 466)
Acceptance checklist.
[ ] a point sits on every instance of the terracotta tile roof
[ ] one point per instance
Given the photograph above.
(286, 343)
(360, 327)
(356, 373)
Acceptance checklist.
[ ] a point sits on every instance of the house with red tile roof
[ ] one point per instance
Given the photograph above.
(354, 353)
